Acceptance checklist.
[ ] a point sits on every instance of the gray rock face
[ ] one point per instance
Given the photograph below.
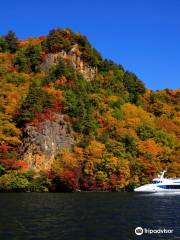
(43, 141)
(74, 59)
(52, 59)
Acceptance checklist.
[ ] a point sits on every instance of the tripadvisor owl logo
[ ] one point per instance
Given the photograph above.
(138, 231)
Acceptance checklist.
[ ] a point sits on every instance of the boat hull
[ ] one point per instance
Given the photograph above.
(152, 188)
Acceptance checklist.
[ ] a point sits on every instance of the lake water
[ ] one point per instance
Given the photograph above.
(87, 216)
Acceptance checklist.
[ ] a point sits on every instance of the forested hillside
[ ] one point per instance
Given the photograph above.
(70, 119)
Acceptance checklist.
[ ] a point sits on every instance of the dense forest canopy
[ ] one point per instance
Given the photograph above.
(124, 133)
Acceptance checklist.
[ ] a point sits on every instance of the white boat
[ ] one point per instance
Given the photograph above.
(161, 184)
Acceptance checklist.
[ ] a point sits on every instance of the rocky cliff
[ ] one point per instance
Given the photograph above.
(43, 141)
(73, 57)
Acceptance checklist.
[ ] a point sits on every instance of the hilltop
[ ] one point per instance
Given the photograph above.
(70, 119)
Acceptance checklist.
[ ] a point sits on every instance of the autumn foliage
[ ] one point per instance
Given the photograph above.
(124, 132)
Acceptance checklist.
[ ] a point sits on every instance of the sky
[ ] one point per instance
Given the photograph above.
(142, 35)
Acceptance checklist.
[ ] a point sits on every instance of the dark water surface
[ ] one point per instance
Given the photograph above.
(85, 216)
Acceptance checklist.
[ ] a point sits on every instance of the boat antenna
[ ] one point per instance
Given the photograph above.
(162, 174)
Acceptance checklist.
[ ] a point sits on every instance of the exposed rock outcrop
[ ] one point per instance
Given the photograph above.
(43, 141)
(74, 58)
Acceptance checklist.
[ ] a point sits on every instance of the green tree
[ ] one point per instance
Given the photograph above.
(13, 181)
(11, 41)
(58, 40)
(134, 86)
(130, 144)
(59, 70)
(145, 131)
(2, 169)
(36, 101)
(29, 59)
(3, 45)
(165, 138)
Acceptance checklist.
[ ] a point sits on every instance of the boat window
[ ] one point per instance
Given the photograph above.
(170, 186)
(174, 186)
(155, 182)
